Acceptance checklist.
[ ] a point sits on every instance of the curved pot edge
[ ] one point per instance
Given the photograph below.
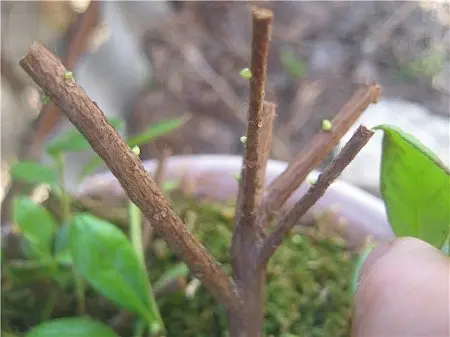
(213, 177)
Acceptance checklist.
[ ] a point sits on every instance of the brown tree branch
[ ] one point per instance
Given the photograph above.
(312, 154)
(256, 149)
(331, 173)
(247, 236)
(48, 72)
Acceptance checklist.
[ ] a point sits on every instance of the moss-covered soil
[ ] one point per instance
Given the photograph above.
(308, 292)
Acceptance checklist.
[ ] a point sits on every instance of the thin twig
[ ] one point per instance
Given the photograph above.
(314, 152)
(346, 155)
(48, 72)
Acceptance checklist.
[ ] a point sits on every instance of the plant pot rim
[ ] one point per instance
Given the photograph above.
(358, 214)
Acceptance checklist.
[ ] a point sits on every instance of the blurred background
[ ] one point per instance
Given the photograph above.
(154, 60)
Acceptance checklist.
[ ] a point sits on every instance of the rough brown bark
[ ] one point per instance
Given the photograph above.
(247, 236)
(48, 72)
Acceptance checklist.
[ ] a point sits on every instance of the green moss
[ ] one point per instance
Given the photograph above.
(307, 293)
(308, 282)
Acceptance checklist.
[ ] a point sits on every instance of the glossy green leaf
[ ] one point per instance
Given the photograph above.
(104, 256)
(415, 186)
(71, 327)
(158, 130)
(36, 224)
(74, 141)
(33, 173)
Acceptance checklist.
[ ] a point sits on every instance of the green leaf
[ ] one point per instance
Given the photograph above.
(74, 141)
(36, 224)
(71, 327)
(33, 173)
(415, 186)
(158, 130)
(104, 256)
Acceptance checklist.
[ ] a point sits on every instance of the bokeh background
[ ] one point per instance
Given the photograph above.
(153, 60)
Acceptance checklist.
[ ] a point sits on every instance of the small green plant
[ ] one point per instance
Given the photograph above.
(83, 248)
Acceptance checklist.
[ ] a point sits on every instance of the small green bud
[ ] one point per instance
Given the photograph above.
(237, 177)
(243, 139)
(246, 73)
(312, 180)
(136, 150)
(68, 75)
(45, 99)
(326, 125)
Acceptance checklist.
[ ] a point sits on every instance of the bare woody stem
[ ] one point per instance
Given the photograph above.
(314, 152)
(346, 155)
(247, 235)
(48, 72)
(255, 157)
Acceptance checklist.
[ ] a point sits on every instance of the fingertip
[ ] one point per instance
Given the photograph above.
(404, 285)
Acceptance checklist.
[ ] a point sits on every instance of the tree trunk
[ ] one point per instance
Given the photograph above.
(251, 322)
